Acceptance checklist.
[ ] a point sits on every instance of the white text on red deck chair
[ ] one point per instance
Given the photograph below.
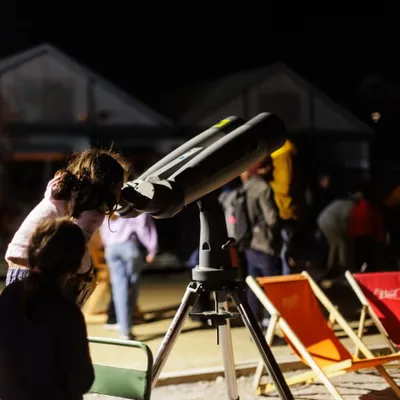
(379, 294)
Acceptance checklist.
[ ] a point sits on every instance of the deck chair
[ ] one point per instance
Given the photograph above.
(293, 304)
(379, 294)
(123, 382)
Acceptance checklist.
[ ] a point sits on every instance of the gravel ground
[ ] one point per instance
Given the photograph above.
(365, 386)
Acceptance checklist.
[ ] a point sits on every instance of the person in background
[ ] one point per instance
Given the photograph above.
(332, 222)
(226, 199)
(289, 190)
(263, 252)
(366, 232)
(44, 352)
(123, 240)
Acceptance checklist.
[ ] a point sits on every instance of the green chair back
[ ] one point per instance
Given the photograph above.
(123, 382)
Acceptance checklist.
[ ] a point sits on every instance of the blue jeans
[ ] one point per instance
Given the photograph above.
(260, 264)
(194, 258)
(125, 262)
(286, 270)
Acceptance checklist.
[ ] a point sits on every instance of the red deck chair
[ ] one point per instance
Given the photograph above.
(379, 294)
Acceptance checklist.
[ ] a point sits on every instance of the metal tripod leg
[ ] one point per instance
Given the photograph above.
(188, 301)
(251, 323)
(225, 337)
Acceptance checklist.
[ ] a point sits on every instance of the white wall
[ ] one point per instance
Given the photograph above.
(28, 93)
(299, 107)
(46, 89)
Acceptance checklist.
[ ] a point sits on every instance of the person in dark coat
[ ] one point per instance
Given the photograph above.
(44, 351)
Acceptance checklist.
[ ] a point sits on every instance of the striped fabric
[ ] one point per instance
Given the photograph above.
(16, 274)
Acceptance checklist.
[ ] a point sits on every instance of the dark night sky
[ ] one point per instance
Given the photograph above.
(147, 58)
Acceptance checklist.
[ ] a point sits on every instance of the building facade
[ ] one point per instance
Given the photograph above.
(49, 98)
(305, 109)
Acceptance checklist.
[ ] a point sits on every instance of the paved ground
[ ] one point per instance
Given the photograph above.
(366, 386)
(197, 349)
(363, 386)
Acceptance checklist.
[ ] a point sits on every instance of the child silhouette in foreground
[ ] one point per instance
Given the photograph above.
(44, 352)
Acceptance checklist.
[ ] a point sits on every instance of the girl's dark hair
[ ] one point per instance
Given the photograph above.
(91, 176)
(55, 250)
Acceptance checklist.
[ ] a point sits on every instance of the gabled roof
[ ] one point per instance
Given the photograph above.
(13, 61)
(219, 92)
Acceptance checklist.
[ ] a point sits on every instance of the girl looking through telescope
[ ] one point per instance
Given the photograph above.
(86, 190)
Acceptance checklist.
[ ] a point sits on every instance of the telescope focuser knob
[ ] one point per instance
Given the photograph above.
(230, 242)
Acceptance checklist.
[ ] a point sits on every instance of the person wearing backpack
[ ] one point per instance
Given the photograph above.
(257, 228)
(230, 195)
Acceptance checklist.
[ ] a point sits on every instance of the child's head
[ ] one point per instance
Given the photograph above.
(95, 177)
(56, 249)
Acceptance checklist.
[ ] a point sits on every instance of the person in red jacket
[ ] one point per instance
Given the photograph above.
(366, 232)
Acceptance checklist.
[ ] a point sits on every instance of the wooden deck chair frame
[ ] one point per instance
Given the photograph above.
(365, 311)
(123, 382)
(91, 309)
(323, 374)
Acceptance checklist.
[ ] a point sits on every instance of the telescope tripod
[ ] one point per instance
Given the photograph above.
(216, 274)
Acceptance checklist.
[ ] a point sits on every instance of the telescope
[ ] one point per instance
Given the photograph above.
(192, 173)
(202, 165)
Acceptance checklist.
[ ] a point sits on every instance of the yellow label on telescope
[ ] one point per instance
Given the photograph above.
(222, 123)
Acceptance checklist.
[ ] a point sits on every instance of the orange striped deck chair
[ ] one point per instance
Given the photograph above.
(293, 304)
(379, 295)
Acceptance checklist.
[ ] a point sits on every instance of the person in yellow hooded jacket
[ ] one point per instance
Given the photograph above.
(288, 185)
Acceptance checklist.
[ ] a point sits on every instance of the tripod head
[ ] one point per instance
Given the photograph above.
(202, 165)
